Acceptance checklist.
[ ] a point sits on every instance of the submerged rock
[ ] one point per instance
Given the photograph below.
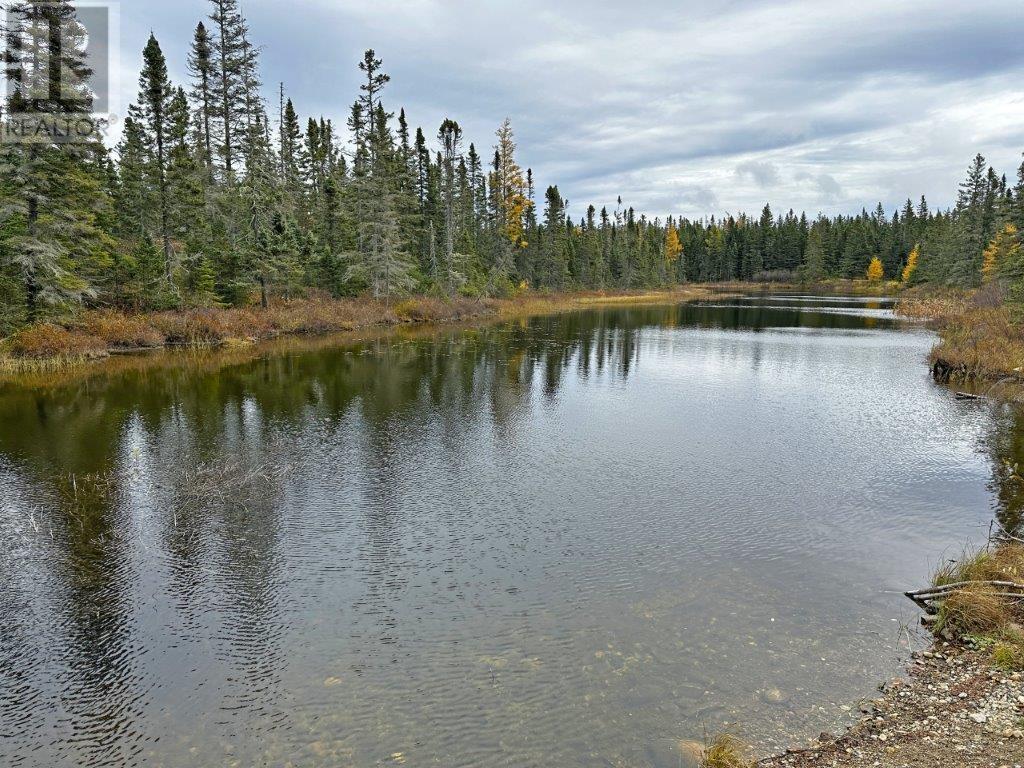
(774, 696)
(692, 752)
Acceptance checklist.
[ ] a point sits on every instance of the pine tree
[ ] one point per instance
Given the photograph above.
(50, 237)
(971, 215)
(133, 193)
(154, 104)
(450, 136)
(510, 203)
(228, 74)
(294, 161)
(201, 68)
(553, 270)
(380, 262)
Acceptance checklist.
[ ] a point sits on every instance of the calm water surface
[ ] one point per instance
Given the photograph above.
(566, 541)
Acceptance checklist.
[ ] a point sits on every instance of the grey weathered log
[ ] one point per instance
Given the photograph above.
(958, 585)
(924, 598)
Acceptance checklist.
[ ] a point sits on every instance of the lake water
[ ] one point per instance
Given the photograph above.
(562, 541)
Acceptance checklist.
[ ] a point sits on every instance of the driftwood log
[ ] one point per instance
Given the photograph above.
(968, 396)
(927, 599)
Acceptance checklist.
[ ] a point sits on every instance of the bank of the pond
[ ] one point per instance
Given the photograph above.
(980, 340)
(98, 333)
(94, 334)
(953, 709)
(961, 702)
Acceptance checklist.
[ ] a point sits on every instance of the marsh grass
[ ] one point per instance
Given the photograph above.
(231, 481)
(990, 617)
(1002, 563)
(985, 343)
(979, 337)
(97, 333)
(725, 751)
(932, 303)
(48, 341)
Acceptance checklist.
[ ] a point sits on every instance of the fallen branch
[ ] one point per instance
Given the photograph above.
(968, 396)
(956, 585)
(924, 598)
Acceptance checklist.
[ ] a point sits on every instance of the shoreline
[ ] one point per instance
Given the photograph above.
(953, 708)
(97, 334)
(955, 705)
(981, 343)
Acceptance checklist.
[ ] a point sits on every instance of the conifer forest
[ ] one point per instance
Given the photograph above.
(215, 197)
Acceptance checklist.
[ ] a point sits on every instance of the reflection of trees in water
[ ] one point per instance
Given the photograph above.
(1005, 446)
(219, 563)
(69, 640)
(107, 478)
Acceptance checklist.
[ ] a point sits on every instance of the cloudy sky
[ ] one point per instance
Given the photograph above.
(688, 107)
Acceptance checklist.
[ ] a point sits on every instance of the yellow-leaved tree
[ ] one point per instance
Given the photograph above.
(875, 270)
(911, 265)
(673, 248)
(507, 180)
(1004, 249)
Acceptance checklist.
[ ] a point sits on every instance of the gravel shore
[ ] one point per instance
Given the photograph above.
(952, 710)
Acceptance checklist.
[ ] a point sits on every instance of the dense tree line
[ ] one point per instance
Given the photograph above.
(209, 199)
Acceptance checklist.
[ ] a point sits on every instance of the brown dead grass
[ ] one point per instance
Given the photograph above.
(974, 611)
(979, 337)
(979, 609)
(980, 343)
(97, 332)
(48, 340)
(1003, 563)
(929, 303)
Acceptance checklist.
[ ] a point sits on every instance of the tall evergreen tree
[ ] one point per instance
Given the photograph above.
(154, 104)
(201, 68)
(54, 200)
(450, 136)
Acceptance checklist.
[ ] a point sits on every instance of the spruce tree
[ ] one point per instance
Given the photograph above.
(228, 74)
(450, 136)
(50, 238)
(201, 68)
(154, 104)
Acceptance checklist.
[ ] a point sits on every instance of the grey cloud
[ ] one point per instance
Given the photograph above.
(703, 198)
(764, 174)
(666, 102)
(830, 189)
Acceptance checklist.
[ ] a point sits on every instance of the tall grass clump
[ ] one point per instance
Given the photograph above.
(984, 601)
(725, 751)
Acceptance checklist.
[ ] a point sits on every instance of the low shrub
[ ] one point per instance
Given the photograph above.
(973, 611)
(202, 326)
(981, 342)
(121, 331)
(1008, 653)
(49, 340)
